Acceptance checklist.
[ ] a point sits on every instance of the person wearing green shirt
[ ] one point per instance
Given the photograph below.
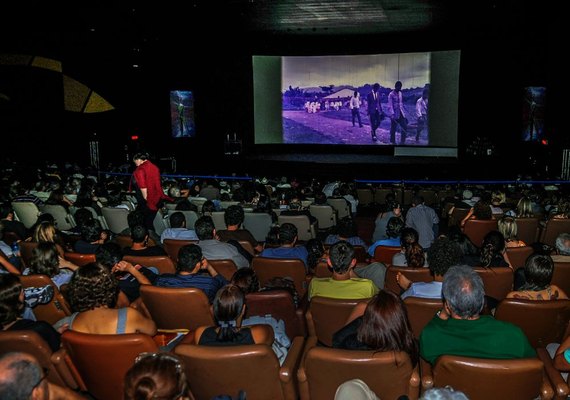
(344, 283)
(460, 330)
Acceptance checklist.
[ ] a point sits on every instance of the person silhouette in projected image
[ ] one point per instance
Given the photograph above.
(374, 110)
(354, 105)
(422, 113)
(397, 114)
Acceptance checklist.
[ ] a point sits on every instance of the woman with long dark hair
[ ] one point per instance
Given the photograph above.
(383, 327)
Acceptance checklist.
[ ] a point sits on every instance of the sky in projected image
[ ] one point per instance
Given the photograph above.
(316, 94)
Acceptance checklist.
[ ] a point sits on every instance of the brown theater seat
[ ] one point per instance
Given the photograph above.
(542, 321)
(484, 379)
(177, 308)
(413, 274)
(252, 368)
(103, 360)
(325, 316)
(388, 374)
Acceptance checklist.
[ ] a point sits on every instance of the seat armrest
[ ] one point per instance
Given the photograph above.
(427, 374)
(558, 385)
(289, 369)
(58, 361)
(62, 362)
(415, 379)
(291, 364)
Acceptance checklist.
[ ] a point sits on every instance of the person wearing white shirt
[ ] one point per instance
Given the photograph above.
(354, 105)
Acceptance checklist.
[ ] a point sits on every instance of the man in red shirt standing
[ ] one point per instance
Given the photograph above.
(148, 186)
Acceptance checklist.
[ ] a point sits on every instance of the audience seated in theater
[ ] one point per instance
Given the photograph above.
(233, 217)
(346, 230)
(189, 273)
(287, 234)
(6, 266)
(81, 216)
(459, 329)
(466, 246)
(246, 279)
(349, 195)
(538, 270)
(423, 219)
(9, 222)
(412, 254)
(208, 208)
(86, 196)
(178, 230)
(130, 276)
(136, 218)
(47, 261)
(22, 378)
(493, 252)
(140, 246)
(393, 232)
(11, 309)
(481, 211)
(92, 294)
(296, 208)
(316, 253)
(213, 249)
(157, 376)
(264, 206)
(525, 208)
(508, 228)
(383, 327)
(562, 245)
(114, 199)
(442, 254)
(345, 282)
(57, 198)
(229, 309)
(92, 236)
(46, 232)
(394, 209)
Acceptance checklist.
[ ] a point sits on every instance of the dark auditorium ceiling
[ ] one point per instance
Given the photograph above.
(273, 16)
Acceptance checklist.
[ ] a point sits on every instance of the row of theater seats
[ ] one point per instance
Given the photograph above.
(97, 363)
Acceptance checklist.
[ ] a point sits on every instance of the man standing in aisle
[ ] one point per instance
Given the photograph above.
(148, 187)
(397, 114)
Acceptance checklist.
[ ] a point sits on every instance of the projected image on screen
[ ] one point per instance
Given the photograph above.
(533, 113)
(182, 113)
(357, 99)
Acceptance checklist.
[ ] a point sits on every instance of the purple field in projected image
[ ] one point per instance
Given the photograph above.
(317, 91)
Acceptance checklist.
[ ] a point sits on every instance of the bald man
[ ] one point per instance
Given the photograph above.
(23, 378)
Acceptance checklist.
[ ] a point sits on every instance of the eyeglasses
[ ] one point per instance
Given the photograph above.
(177, 365)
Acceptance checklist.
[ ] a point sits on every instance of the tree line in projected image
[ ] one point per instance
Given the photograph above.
(326, 99)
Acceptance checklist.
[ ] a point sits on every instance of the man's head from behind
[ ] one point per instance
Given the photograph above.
(188, 258)
(234, 215)
(205, 228)
(463, 292)
(287, 233)
(443, 254)
(177, 220)
(21, 377)
(341, 257)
